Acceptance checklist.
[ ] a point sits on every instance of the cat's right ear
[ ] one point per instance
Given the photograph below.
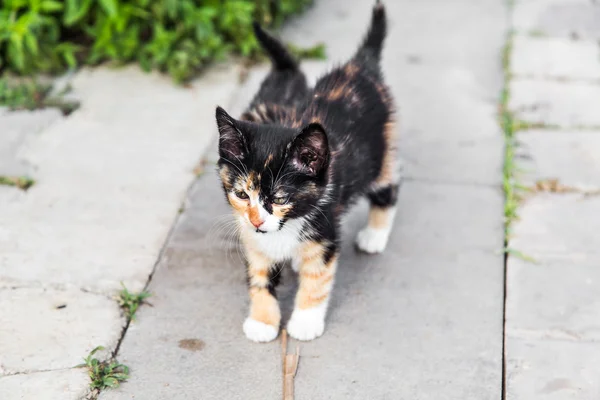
(232, 142)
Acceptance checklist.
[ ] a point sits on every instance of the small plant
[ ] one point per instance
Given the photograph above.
(22, 182)
(130, 302)
(104, 374)
(31, 95)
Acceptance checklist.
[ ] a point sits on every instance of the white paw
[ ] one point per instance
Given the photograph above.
(259, 331)
(307, 324)
(371, 240)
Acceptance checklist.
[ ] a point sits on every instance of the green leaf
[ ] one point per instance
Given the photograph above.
(96, 349)
(75, 11)
(120, 377)
(51, 6)
(109, 6)
(31, 44)
(110, 381)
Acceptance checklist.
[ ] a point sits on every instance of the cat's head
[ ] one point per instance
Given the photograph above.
(271, 174)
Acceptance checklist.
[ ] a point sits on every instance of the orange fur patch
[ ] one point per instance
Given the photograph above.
(386, 175)
(316, 277)
(264, 307)
(281, 211)
(351, 70)
(224, 174)
(254, 216)
(379, 218)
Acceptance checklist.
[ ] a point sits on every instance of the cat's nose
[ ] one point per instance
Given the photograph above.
(254, 217)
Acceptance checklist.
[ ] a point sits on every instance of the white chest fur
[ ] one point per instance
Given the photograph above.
(281, 245)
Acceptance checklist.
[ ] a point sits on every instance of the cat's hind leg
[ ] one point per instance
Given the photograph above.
(374, 237)
(383, 196)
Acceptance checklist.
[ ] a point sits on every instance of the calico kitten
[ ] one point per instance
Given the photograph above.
(293, 164)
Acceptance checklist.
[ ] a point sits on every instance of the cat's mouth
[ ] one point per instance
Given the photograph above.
(260, 231)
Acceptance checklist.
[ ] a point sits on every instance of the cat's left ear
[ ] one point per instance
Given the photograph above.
(310, 150)
(232, 141)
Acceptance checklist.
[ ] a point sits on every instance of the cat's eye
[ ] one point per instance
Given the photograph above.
(241, 194)
(280, 200)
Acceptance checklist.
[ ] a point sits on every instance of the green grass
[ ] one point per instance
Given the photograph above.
(520, 254)
(507, 122)
(104, 374)
(130, 302)
(513, 189)
(537, 33)
(22, 182)
(29, 94)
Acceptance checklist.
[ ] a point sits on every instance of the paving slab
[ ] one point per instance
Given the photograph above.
(546, 218)
(110, 179)
(395, 315)
(70, 384)
(555, 58)
(554, 298)
(572, 157)
(552, 370)
(569, 105)
(565, 18)
(44, 329)
(552, 335)
(16, 128)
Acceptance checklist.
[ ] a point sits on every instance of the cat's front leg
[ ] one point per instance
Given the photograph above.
(316, 273)
(262, 324)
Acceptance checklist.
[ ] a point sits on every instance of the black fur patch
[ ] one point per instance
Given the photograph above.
(384, 197)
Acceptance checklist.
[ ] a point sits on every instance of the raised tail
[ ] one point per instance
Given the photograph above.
(279, 55)
(373, 42)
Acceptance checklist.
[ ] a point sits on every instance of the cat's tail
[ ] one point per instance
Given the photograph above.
(280, 57)
(370, 49)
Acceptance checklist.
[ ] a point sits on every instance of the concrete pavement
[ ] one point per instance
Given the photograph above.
(552, 348)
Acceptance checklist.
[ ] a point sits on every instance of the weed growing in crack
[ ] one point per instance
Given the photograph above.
(130, 302)
(507, 122)
(513, 189)
(104, 374)
(29, 94)
(520, 254)
(22, 182)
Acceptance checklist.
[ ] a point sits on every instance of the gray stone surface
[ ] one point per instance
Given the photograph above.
(70, 384)
(552, 307)
(35, 334)
(566, 18)
(552, 370)
(555, 299)
(555, 58)
(17, 128)
(572, 157)
(558, 227)
(565, 105)
(110, 179)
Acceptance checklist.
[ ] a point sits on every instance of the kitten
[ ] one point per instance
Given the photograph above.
(294, 163)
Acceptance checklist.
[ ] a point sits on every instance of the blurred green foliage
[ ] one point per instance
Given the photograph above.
(29, 94)
(174, 36)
